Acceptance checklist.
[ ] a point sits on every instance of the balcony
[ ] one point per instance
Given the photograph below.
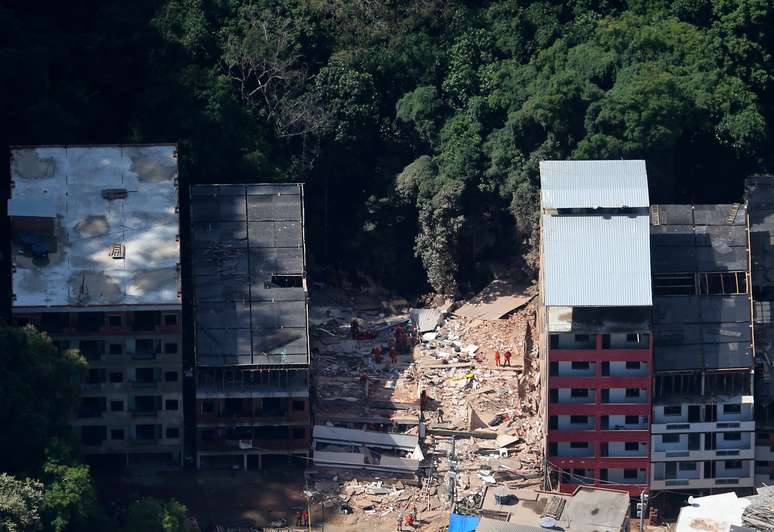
(728, 426)
(248, 445)
(696, 478)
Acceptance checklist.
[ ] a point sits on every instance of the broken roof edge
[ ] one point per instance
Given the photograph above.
(96, 308)
(109, 145)
(594, 183)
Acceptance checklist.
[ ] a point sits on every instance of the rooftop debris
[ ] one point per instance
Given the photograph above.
(477, 424)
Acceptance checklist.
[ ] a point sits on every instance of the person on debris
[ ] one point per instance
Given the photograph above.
(299, 518)
(401, 339)
(497, 358)
(376, 352)
(354, 329)
(410, 520)
(414, 514)
(423, 400)
(507, 358)
(393, 355)
(400, 523)
(305, 516)
(439, 415)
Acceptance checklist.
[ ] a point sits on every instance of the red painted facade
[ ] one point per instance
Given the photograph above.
(597, 437)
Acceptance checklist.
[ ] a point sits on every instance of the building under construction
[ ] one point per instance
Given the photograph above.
(251, 323)
(760, 201)
(97, 266)
(703, 429)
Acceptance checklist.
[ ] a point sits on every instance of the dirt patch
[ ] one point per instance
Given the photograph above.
(93, 225)
(151, 281)
(150, 166)
(28, 165)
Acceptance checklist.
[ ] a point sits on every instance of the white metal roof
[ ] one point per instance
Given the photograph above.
(593, 184)
(596, 261)
(713, 512)
(105, 198)
(354, 436)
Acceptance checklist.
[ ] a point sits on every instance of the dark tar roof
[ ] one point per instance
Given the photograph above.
(243, 236)
(694, 332)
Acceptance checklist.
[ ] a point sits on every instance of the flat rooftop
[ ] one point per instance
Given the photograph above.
(588, 509)
(595, 234)
(702, 301)
(94, 226)
(250, 301)
(593, 184)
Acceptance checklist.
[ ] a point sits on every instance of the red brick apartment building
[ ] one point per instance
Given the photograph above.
(596, 318)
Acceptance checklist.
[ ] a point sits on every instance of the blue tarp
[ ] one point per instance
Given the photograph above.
(463, 523)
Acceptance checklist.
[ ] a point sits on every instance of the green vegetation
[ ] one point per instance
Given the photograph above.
(417, 125)
(48, 488)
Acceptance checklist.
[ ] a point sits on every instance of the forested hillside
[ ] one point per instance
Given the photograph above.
(417, 126)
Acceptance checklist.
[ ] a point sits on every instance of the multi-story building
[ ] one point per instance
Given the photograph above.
(96, 266)
(702, 432)
(596, 314)
(760, 203)
(251, 324)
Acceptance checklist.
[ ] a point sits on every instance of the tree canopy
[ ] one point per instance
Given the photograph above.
(416, 125)
(40, 397)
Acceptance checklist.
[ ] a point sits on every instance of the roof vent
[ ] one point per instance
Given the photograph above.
(111, 194)
(118, 251)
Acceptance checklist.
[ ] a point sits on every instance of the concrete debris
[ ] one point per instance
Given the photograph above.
(438, 385)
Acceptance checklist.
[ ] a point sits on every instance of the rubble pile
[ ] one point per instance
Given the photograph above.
(479, 425)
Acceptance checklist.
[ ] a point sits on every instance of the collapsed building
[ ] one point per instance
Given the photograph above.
(251, 327)
(596, 308)
(97, 266)
(760, 201)
(703, 429)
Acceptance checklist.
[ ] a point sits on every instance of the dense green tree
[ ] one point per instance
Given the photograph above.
(417, 126)
(154, 515)
(20, 502)
(40, 396)
(69, 497)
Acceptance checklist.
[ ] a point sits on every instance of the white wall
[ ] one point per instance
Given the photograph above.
(565, 370)
(660, 446)
(619, 420)
(618, 369)
(746, 413)
(617, 476)
(659, 417)
(744, 443)
(659, 471)
(618, 448)
(618, 395)
(564, 449)
(567, 341)
(566, 397)
(721, 471)
(619, 341)
(563, 423)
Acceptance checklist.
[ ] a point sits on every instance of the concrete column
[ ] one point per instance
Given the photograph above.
(260, 461)
(244, 462)
(127, 459)
(198, 461)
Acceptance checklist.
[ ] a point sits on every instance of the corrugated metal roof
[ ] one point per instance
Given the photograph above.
(593, 184)
(596, 261)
